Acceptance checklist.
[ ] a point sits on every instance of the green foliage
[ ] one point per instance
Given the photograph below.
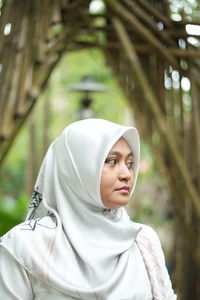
(12, 212)
(12, 179)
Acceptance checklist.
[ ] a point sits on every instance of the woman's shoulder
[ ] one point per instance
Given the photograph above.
(28, 234)
(148, 238)
(39, 225)
(147, 232)
(150, 246)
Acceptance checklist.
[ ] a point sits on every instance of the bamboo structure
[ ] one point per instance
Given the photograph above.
(151, 56)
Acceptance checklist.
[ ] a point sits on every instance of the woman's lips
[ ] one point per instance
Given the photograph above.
(124, 189)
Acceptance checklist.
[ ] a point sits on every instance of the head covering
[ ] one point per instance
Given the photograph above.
(70, 240)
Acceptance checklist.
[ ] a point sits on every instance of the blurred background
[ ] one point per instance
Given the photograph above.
(131, 62)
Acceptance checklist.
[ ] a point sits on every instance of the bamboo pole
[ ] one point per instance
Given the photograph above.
(5, 91)
(181, 126)
(184, 53)
(21, 108)
(7, 56)
(32, 157)
(55, 16)
(160, 88)
(38, 39)
(8, 112)
(6, 11)
(181, 33)
(140, 48)
(196, 131)
(45, 20)
(152, 102)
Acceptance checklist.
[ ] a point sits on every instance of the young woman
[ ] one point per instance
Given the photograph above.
(78, 241)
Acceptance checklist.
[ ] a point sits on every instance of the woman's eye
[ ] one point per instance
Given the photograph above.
(129, 164)
(110, 161)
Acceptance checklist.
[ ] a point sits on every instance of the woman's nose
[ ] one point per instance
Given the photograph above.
(124, 173)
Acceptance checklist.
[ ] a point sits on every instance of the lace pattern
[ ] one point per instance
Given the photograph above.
(154, 261)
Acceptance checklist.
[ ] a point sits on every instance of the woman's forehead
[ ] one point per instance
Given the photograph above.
(121, 143)
(121, 147)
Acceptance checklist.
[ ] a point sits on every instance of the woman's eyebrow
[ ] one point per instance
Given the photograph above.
(119, 154)
(114, 153)
(130, 154)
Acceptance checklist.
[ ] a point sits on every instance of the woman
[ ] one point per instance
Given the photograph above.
(78, 242)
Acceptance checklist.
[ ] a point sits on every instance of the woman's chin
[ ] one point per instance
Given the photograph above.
(118, 203)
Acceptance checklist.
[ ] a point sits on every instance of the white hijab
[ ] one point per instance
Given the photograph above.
(70, 240)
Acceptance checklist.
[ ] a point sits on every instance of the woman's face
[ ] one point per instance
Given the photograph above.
(117, 175)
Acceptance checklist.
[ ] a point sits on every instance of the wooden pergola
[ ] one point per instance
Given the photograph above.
(151, 56)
